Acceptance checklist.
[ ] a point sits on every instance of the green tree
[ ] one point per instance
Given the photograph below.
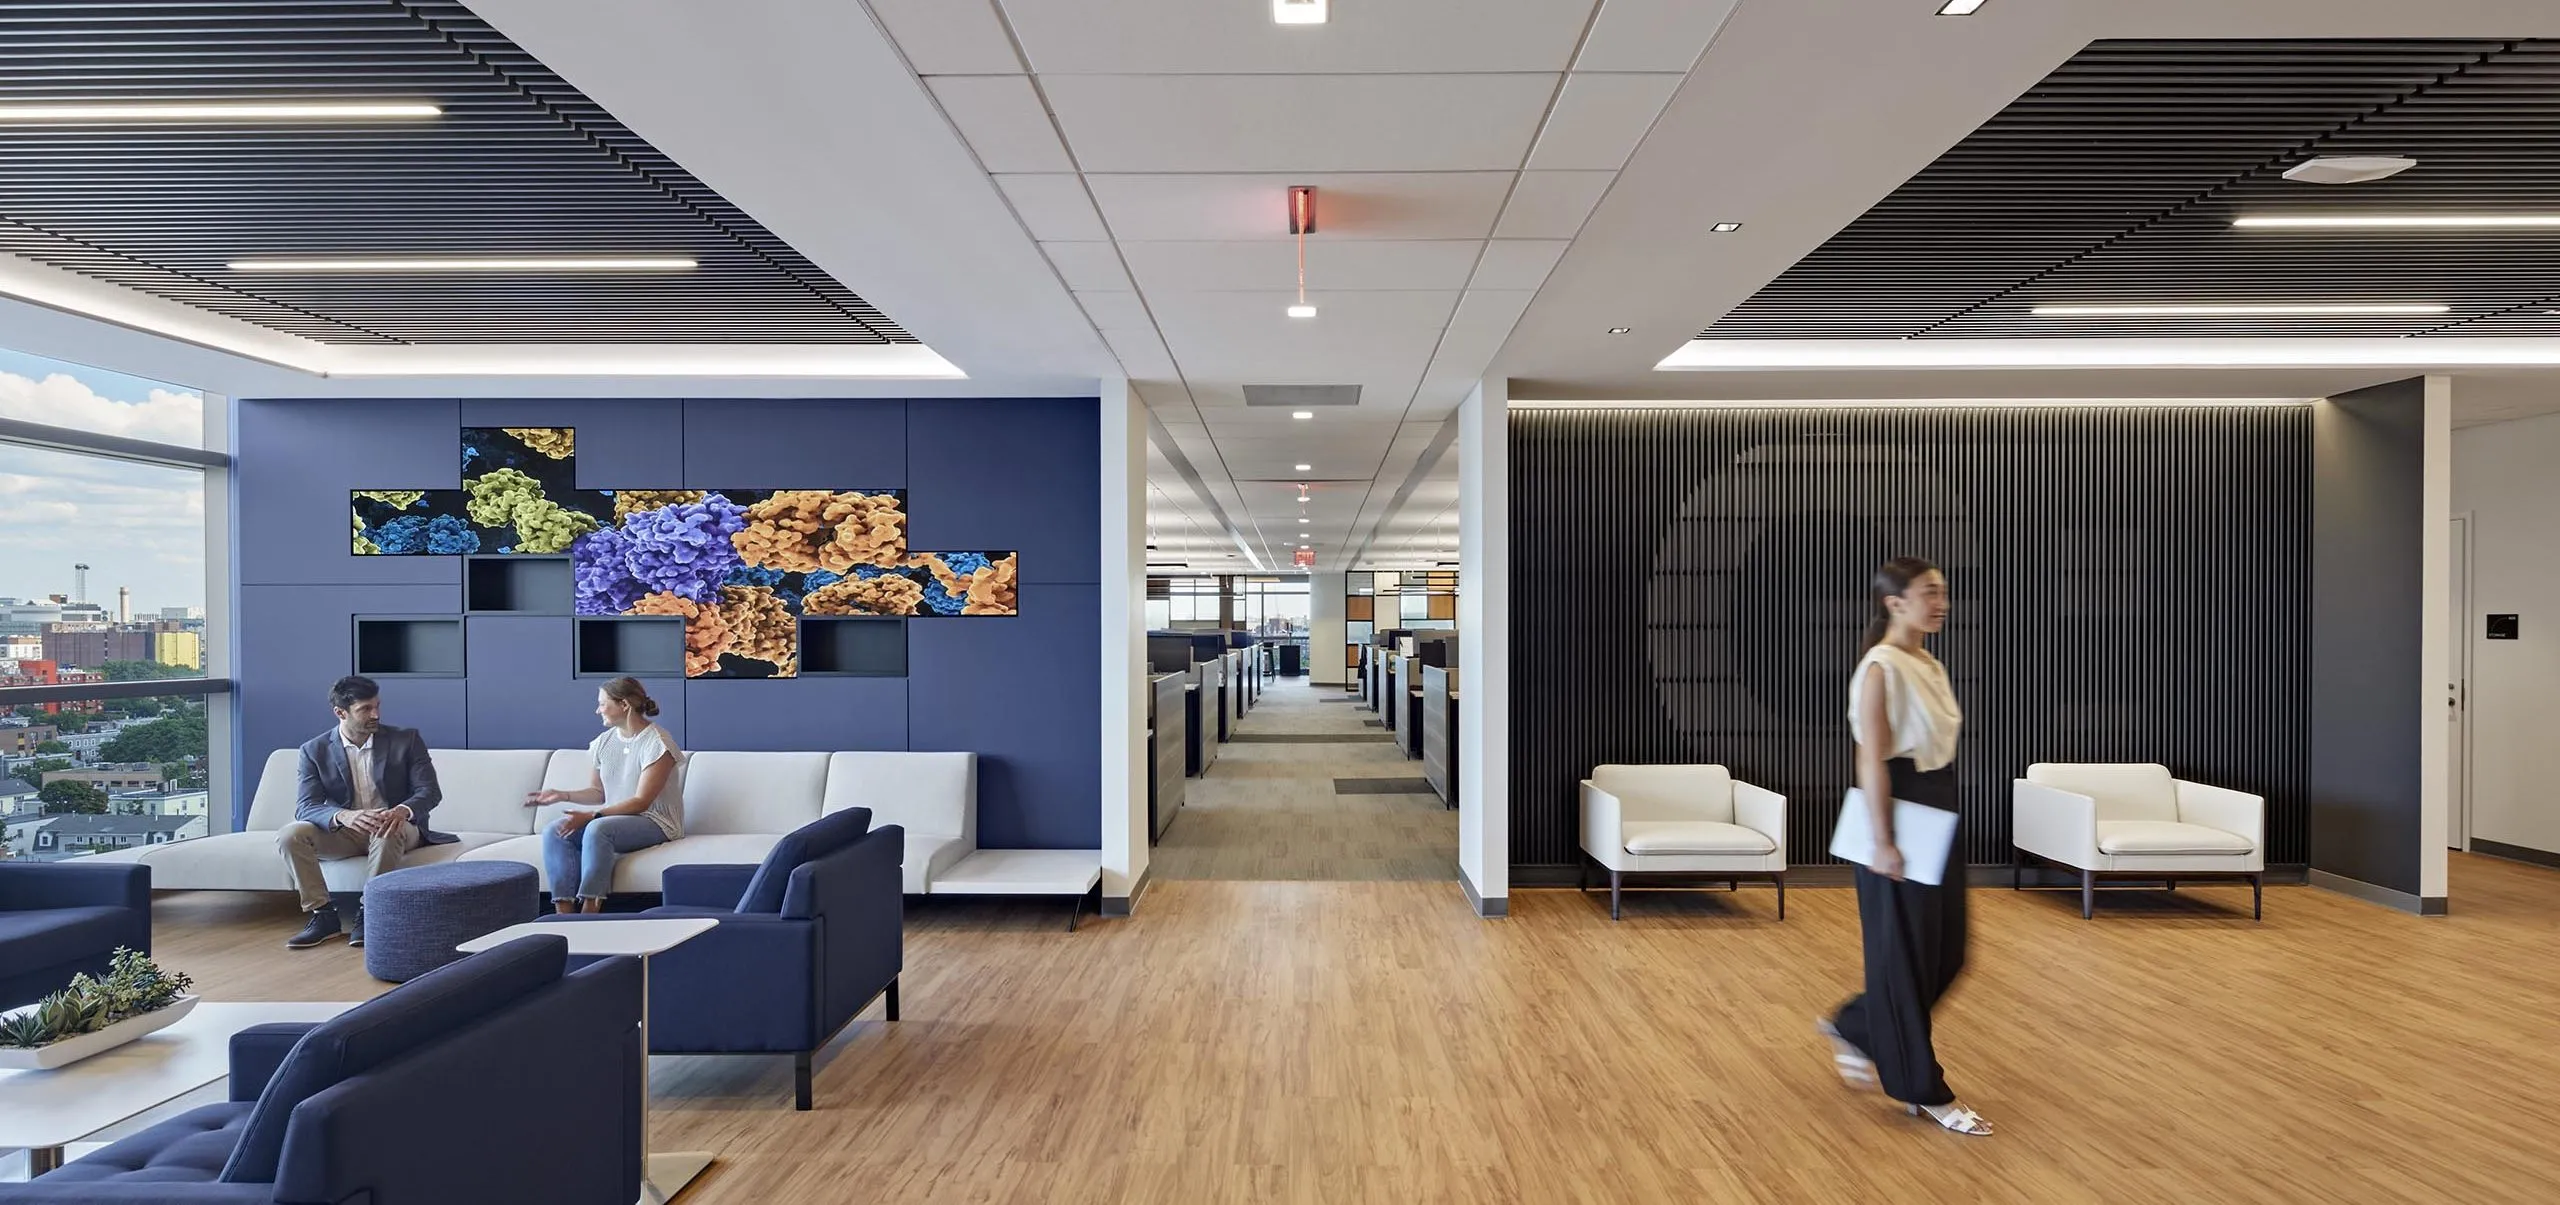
(71, 721)
(144, 671)
(173, 738)
(52, 747)
(32, 773)
(69, 798)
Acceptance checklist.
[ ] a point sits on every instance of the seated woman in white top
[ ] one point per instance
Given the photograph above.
(636, 783)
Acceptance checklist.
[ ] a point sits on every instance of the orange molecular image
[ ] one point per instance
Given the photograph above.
(801, 531)
(706, 634)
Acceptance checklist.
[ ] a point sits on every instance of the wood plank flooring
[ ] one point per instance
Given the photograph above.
(1373, 1041)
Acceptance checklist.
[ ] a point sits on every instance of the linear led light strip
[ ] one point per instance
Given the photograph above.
(523, 263)
(140, 111)
(2400, 221)
(1910, 403)
(2277, 310)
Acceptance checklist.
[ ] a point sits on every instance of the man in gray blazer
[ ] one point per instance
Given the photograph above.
(364, 791)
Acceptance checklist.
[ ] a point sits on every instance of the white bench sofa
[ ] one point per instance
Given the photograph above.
(736, 805)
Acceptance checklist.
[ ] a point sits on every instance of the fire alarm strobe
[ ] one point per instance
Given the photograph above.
(1302, 209)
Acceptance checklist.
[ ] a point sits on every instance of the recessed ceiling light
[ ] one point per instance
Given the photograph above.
(1302, 414)
(1302, 311)
(496, 263)
(1305, 468)
(155, 111)
(1620, 330)
(2231, 311)
(2348, 169)
(1725, 227)
(1961, 8)
(1306, 520)
(2399, 221)
(1297, 12)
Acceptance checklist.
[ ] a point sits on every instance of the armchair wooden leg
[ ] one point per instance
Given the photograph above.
(2088, 894)
(1782, 897)
(2173, 886)
(800, 1081)
(2017, 870)
(892, 1002)
(1616, 880)
(2257, 897)
(1583, 875)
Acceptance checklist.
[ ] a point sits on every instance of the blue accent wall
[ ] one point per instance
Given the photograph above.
(981, 475)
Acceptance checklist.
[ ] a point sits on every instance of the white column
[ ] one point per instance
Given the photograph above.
(2435, 649)
(1484, 646)
(1324, 629)
(1123, 643)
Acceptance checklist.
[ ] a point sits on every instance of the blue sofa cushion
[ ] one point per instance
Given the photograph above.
(375, 1032)
(807, 843)
(187, 1149)
(50, 935)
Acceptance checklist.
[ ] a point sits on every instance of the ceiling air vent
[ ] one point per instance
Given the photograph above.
(1301, 397)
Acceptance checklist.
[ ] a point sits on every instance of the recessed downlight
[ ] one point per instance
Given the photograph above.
(1302, 311)
(479, 263)
(1961, 8)
(2234, 311)
(1306, 468)
(1620, 330)
(1725, 227)
(1297, 12)
(1302, 414)
(1306, 520)
(145, 112)
(2398, 221)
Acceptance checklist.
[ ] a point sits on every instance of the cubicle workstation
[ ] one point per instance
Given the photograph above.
(1440, 730)
(1170, 745)
(1204, 692)
(1417, 652)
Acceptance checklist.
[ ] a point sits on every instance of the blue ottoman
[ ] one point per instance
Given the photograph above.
(414, 918)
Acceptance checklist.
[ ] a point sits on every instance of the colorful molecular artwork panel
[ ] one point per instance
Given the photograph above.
(740, 567)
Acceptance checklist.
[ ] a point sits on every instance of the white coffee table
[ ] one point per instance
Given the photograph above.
(45, 1111)
(664, 1173)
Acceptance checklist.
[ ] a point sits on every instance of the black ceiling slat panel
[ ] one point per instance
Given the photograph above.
(520, 163)
(2116, 179)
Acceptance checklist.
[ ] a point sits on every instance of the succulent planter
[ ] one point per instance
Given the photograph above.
(98, 1041)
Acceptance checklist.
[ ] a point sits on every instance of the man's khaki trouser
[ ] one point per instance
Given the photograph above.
(304, 844)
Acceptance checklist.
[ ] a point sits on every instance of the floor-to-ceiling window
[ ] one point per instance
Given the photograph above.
(110, 609)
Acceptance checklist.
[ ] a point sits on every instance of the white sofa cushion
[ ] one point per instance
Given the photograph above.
(768, 793)
(1692, 792)
(484, 789)
(932, 795)
(272, 806)
(927, 856)
(2123, 791)
(249, 861)
(1660, 837)
(2144, 837)
(640, 870)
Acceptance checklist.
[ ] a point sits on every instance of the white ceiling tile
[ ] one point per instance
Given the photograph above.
(1055, 207)
(1651, 35)
(1483, 320)
(1599, 120)
(1551, 204)
(1334, 123)
(1349, 207)
(1352, 264)
(1089, 267)
(1115, 311)
(1002, 119)
(949, 37)
(1379, 340)
(1168, 400)
(1518, 263)
(1133, 37)
(1142, 354)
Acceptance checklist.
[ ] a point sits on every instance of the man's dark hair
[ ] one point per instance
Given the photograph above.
(348, 691)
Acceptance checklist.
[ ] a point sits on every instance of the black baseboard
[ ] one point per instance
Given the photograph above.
(1836, 874)
(1123, 905)
(2375, 893)
(2515, 853)
(1499, 906)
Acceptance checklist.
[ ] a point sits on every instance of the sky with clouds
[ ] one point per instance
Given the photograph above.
(134, 525)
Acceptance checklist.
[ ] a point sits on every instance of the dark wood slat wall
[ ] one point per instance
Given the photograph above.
(2131, 584)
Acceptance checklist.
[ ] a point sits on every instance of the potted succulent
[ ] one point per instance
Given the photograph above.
(137, 997)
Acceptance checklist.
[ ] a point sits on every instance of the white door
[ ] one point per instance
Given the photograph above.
(2458, 692)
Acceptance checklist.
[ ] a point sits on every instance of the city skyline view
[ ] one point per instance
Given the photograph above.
(136, 526)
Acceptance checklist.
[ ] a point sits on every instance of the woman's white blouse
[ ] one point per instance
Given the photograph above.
(1919, 702)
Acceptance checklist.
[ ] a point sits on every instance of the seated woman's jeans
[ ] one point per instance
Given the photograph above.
(582, 866)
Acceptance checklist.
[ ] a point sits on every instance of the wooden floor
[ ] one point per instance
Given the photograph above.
(1325, 1042)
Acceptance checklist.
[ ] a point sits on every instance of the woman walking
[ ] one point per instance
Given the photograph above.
(637, 783)
(1903, 712)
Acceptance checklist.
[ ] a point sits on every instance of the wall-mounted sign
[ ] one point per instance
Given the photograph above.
(2502, 627)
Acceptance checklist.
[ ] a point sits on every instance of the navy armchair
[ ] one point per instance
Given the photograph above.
(58, 919)
(805, 942)
(495, 1079)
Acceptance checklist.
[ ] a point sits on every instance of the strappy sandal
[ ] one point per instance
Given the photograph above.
(1954, 1116)
(1855, 1068)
